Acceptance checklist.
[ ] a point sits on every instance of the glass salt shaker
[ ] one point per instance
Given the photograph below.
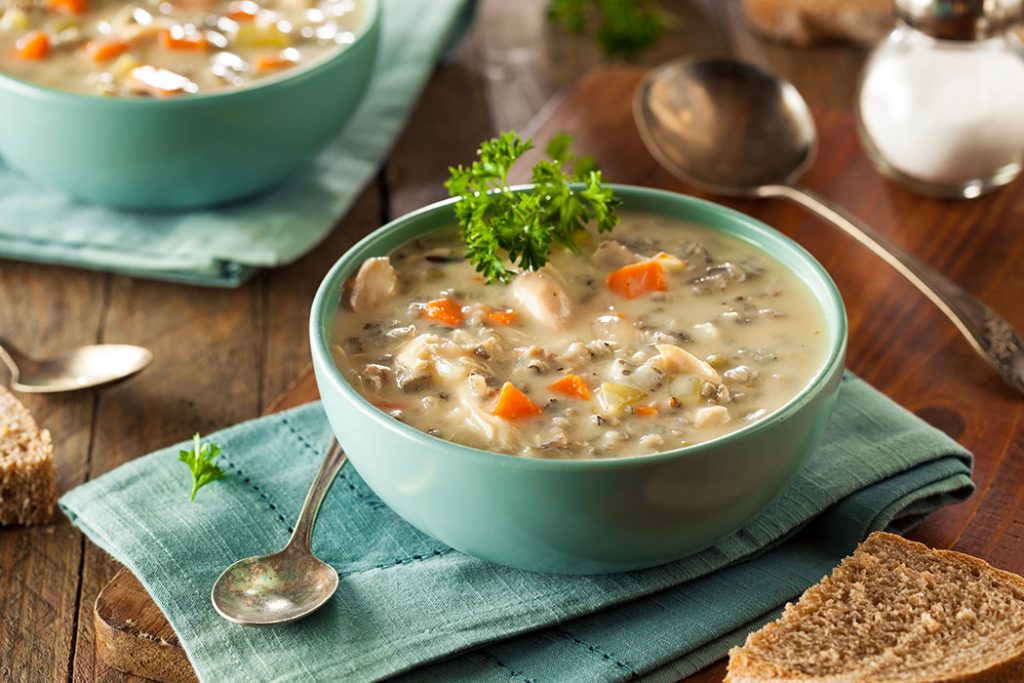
(941, 100)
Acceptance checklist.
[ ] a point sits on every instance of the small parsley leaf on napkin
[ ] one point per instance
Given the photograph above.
(201, 461)
(567, 195)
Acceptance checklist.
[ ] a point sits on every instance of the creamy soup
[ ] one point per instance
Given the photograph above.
(659, 337)
(164, 48)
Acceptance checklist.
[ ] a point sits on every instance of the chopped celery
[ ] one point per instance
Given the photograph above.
(615, 397)
(686, 388)
(14, 20)
(123, 66)
(260, 35)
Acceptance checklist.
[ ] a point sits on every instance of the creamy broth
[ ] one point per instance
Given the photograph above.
(164, 48)
(656, 337)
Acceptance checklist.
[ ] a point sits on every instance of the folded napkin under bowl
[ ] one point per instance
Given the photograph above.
(582, 516)
(408, 603)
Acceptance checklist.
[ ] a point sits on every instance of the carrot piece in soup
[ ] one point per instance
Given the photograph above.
(444, 311)
(501, 316)
(638, 279)
(243, 11)
(70, 6)
(573, 386)
(387, 405)
(177, 39)
(645, 411)
(33, 46)
(271, 62)
(513, 404)
(103, 50)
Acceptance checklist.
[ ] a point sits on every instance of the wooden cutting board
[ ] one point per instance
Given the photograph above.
(899, 342)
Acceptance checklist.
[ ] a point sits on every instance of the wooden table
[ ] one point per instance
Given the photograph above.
(223, 356)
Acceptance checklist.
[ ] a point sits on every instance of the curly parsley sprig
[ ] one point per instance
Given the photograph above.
(200, 461)
(625, 28)
(568, 194)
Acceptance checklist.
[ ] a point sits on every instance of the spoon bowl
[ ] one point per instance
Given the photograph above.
(83, 367)
(725, 126)
(731, 128)
(274, 589)
(291, 583)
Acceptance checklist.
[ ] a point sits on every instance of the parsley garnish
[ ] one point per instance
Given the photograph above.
(626, 28)
(567, 195)
(200, 461)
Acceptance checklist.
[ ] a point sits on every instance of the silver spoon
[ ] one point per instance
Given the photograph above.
(730, 128)
(83, 367)
(291, 583)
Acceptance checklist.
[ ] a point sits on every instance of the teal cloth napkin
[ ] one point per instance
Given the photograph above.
(224, 246)
(410, 606)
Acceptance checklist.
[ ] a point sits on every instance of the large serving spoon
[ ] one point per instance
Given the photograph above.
(84, 367)
(730, 128)
(291, 583)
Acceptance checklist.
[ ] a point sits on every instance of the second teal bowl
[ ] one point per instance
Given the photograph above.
(189, 151)
(581, 516)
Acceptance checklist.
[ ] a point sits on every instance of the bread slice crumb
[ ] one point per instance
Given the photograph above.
(894, 612)
(28, 480)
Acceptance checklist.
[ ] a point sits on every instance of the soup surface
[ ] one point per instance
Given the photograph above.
(663, 335)
(164, 48)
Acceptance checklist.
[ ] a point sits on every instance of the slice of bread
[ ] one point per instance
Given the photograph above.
(28, 480)
(894, 612)
(802, 22)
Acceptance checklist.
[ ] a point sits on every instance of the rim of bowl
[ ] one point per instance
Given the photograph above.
(371, 24)
(323, 304)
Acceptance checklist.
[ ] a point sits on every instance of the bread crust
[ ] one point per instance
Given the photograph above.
(28, 479)
(803, 22)
(744, 668)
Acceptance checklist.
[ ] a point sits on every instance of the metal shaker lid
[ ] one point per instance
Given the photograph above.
(960, 19)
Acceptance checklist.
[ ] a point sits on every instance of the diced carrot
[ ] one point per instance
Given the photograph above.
(444, 311)
(34, 45)
(645, 411)
(387, 405)
(243, 11)
(70, 6)
(103, 50)
(501, 316)
(573, 386)
(180, 40)
(513, 404)
(271, 62)
(638, 279)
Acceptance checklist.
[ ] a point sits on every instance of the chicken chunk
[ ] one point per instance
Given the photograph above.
(676, 361)
(613, 254)
(669, 262)
(541, 298)
(613, 327)
(427, 358)
(711, 416)
(373, 285)
(479, 427)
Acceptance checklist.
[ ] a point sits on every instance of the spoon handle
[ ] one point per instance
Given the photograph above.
(990, 334)
(10, 357)
(332, 463)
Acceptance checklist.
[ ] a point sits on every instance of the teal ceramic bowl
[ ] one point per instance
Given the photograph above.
(189, 151)
(581, 516)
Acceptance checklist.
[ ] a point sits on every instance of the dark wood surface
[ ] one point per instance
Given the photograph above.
(597, 113)
(223, 356)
